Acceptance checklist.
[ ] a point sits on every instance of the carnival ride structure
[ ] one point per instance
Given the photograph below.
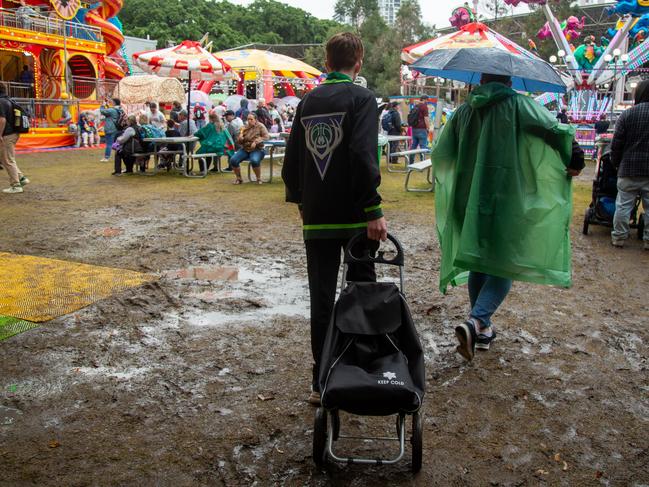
(596, 72)
(72, 51)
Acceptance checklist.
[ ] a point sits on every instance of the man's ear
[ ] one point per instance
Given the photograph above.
(358, 67)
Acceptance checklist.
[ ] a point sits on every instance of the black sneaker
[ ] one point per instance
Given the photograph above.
(466, 335)
(227, 169)
(483, 342)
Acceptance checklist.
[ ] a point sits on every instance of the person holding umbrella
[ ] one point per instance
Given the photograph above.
(503, 197)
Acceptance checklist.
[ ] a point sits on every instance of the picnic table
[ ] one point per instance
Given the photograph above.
(186, 153)
(270, 146)
(385, 140)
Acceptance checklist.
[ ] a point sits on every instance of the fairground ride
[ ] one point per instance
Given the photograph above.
(57, 58)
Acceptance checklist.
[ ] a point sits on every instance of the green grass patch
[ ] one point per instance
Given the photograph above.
(13, 326)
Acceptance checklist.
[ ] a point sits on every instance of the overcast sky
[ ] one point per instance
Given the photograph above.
(435, 11)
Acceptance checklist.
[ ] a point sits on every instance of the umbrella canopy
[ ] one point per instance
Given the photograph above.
(476, 49)
(186, 60)
(201, 98)
(292, 101)
(252, 60)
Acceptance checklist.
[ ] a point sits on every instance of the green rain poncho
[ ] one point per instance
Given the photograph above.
(503, 199)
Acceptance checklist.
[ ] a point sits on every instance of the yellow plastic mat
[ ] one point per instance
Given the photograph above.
(12, 326)
(39, 289)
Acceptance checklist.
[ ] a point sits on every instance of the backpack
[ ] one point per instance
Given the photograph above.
(122, 120)
(21, 118)
(413, 116)
(387, 122)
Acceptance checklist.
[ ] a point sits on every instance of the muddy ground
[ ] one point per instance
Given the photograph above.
(203, 383)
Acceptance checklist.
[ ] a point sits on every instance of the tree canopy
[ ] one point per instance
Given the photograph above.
(229, 25)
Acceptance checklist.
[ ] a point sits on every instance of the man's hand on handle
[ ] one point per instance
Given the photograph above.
(377, 229)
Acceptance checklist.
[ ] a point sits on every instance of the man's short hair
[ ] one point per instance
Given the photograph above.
(228, 113)
(182, 113)
(344, 50)
(495, 78)
(423, 97)
(394, 104)
(171, 124)
(117, 102)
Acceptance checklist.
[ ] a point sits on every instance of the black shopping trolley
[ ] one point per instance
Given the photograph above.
(372, 363)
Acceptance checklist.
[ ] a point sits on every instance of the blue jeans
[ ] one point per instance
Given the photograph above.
(255, 157)
(486, 294)
(628, 189)
(200, 123)
(110, 138)
(419, 141)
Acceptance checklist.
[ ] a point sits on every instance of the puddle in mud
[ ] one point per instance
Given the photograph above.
(265, 292)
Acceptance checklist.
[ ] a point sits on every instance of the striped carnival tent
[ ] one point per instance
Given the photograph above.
(188, 60)
(267, 68)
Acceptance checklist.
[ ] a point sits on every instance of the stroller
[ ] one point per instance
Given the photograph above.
(372, 363)
(602, 206)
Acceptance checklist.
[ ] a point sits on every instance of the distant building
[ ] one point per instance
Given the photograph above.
(389, 9)
(135, 44)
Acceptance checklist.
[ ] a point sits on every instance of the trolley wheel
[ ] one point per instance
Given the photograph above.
(587, 217)
(417, 441)
(320, 437)
(641, 226)
(335, 424)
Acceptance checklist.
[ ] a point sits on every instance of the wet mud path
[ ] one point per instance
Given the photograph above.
(203, 381)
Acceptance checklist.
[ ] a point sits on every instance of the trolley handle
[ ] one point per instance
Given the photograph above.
(379, 258)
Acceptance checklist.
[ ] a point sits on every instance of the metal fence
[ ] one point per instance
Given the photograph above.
(49, 25)
(18, 90)
(93, 88)
(50, 113)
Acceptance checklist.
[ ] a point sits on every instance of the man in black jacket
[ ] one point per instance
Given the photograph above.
(331, 170)
(630, 154)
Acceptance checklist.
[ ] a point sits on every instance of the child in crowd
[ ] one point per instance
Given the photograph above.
(277, 126)
(86, 126)
(167, 159)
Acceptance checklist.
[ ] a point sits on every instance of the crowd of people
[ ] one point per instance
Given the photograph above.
(222, 133)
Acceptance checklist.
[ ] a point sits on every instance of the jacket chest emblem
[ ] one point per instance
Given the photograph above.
(323, 133)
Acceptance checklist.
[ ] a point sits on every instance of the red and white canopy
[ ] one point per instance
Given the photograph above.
(475, 35)
(186, 60)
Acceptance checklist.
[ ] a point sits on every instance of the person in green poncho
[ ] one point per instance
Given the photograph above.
(215, 139)
(503, 166)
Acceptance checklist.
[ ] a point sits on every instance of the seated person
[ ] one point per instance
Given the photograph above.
(66, 116)
(167, 159)
(127, 144)
(277, 127)
(215, 139)
(149, 131)
(87, 129)
(251, 138)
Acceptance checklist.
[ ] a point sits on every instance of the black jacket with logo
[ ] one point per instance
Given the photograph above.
(331, 166)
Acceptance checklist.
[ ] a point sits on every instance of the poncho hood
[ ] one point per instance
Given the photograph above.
(489, 94)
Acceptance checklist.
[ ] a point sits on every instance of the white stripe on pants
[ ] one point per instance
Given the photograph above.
(8, 158)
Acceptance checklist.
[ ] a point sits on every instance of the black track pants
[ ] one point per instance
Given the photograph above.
(323, 262)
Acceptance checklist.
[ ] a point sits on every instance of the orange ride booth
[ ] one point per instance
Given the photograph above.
(58, 58)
